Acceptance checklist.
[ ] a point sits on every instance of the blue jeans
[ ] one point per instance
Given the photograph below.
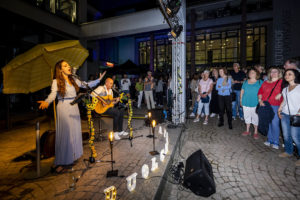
(274, 129)
(290, 134)
(237, 103)
(203, 108)
(196, 108)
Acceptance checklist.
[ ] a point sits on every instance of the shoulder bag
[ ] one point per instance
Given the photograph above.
(258, 105)
(294, 119)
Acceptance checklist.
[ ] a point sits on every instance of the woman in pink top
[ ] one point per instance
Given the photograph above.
(205, 87)
(274, 81)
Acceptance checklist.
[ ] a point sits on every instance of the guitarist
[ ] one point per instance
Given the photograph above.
(117, 114)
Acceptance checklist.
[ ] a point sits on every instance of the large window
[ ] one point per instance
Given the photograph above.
(162, 53)
(219, 48)
(66, 9)
(211, 49)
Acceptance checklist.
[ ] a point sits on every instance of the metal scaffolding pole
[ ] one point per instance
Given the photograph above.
(179, 69)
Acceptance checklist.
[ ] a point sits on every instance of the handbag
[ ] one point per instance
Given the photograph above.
(205, 99)
(294, 119)
(258, 105)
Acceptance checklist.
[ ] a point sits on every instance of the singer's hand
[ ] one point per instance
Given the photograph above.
(43, 104)
(101, 75)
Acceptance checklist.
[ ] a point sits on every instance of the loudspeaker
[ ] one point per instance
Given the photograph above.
(198, 175)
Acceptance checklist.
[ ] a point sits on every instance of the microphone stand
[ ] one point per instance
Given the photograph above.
(129, 128)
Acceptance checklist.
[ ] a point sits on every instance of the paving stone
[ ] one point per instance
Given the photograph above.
(245, 164)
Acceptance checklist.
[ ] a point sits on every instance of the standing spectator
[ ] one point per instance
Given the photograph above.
(238, 78)
(193, 86)
(133, 92)
(148, 88)
(214, 106)
(273, 83)
(139, 86)
(159, 92)
(205, 87)
(290, 106)
(170, 93)
(262, 75)
(292, 64)
(116, 85)
(125, 84)
(224, 98)
(249, 101)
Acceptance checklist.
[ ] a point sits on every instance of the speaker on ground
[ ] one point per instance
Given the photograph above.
(198, 175)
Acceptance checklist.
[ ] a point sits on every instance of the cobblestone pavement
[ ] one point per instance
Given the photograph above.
(92, 181)
(243, 168)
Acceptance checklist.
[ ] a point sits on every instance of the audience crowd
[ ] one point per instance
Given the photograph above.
(264, 98)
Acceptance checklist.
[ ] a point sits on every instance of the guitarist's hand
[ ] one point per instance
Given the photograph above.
(116, 100)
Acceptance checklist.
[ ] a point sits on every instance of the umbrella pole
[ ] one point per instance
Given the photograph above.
(54, 106)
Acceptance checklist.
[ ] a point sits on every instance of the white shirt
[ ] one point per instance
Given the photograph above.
(102, 91)
(125, 83)
(293, 100)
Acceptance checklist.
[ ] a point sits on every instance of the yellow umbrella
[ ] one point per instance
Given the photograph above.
(32, 70)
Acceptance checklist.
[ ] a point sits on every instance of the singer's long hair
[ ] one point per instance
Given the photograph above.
(61, 82)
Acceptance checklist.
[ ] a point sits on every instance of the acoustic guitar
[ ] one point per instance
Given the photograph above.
(104, 103)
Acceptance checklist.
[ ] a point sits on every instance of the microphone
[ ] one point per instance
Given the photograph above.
(74, 73)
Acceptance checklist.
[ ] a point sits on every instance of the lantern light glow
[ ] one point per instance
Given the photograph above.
(154, 164)
(110, 193)
(153, 123)
(131, 182)
(111, 136)
(145, 171)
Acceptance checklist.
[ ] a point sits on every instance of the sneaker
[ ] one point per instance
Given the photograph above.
(275, 146)
(212, 115)
(202, 114)
(242, 118)
(245, 133)
(297, 163)
(255, 136)
(267, 143)
(233, 118)
(284, 155)
(116, 135)
(124, 133)
(205, 122)
(192, 114)
(196, 120)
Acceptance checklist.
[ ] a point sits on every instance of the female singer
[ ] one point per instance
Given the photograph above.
(68, 139)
